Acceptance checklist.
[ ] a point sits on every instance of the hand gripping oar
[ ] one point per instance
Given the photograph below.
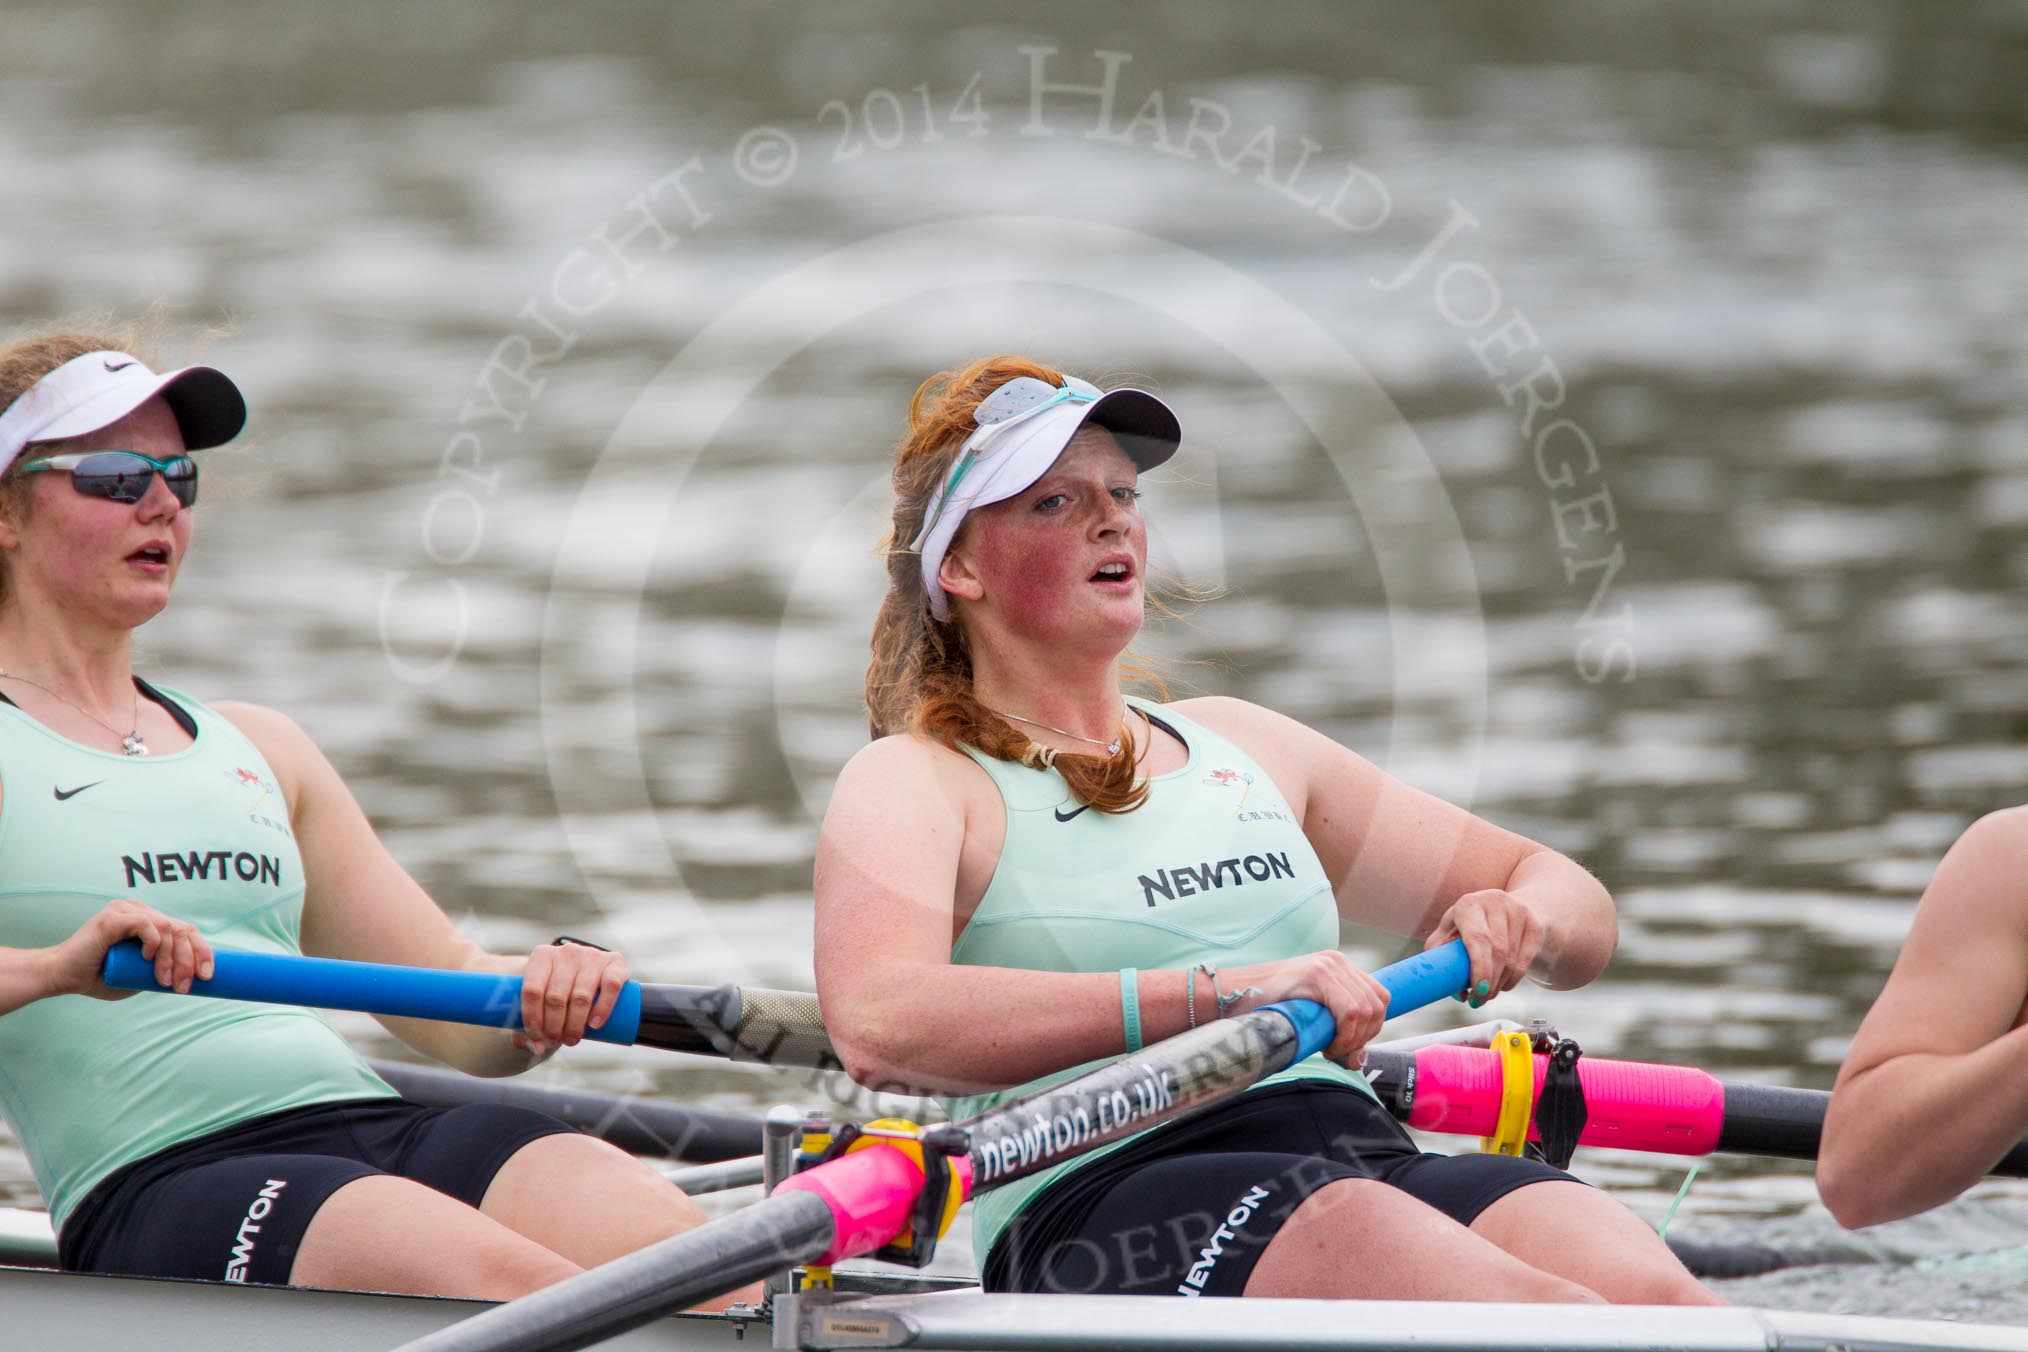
(781, 1028)
(861, 1201)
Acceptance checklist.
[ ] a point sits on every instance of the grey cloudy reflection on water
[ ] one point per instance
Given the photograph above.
(1757, 667)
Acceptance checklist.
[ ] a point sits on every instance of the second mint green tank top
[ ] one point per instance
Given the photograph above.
(1214, 867)
(202, 834)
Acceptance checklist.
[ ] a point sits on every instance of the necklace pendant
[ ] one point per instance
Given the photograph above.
(1113, 747)
(133, 745)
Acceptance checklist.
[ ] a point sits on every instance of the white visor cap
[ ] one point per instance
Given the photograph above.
(100, 388)
(1012, 456)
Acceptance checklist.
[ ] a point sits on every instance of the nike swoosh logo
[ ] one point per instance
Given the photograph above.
(62, 794)
(122, 366)
(1063, 816)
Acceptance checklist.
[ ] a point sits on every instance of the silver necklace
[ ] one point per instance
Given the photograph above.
(1112, 747)
(130, 742)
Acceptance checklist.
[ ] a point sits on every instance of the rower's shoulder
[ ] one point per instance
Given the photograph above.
(1299, 757)
(260, 723)
(281, 740)
(900, 771)
(1252, 726)
(1221, 712)
(905, 757)
(2003, 829)
(1993, 851)
(1978, 889)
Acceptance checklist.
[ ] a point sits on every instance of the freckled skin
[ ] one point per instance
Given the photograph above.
(71, 551)
(1020, 570)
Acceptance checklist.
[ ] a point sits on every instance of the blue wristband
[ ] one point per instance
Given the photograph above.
(1130, 1005)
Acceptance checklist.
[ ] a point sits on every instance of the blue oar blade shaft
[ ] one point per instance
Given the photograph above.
(485, 998)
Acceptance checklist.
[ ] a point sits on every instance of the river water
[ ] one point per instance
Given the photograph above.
(1613, 420)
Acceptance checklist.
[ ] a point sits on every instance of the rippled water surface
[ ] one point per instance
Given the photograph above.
(577, 337)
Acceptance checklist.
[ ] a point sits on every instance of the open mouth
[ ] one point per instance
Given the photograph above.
(1113, 572)
(150, 554)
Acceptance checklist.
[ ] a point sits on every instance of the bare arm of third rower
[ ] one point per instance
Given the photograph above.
(1935, 1087)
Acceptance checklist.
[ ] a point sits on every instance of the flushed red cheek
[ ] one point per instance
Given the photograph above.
(1030, 579)
(1035, 578)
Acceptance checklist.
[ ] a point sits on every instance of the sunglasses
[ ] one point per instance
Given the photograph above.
(1007, 406)
(123, 476)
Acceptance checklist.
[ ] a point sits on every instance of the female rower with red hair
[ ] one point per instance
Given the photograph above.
(1029, 872)
(197, 1138)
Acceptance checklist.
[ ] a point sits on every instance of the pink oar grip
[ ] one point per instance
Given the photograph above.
(1631, 1105)
(871, 1193)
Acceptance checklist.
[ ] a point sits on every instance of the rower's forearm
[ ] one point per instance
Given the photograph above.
(1916, 1130)
(1014, 1025)
(475, 1050)
(486, 1052)
(1580, 925)
(24, 977)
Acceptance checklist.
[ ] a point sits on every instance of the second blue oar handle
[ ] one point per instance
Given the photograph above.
(370, 987)
(1411, 983)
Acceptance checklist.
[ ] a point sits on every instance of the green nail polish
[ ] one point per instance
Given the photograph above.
(1482, 990)
(1476, 1002)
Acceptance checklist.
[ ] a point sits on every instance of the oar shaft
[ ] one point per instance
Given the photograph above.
(771, 1027)
(1197, 1068)
(1766, 1119)
(641, 1126)
(607, 1300)
(1785, 1123)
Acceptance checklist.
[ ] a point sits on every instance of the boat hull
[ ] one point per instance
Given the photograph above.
(49, 1311)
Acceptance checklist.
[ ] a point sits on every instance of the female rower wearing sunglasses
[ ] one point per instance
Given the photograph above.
(194, 1138)
(1029, 872)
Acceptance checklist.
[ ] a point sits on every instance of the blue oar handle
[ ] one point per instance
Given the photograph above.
(1411, 984)
(484, 998)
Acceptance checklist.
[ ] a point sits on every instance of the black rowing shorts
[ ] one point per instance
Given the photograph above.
(234, 1205)
(1189, 1208)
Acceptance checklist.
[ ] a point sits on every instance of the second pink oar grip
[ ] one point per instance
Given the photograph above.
(1676, 1110)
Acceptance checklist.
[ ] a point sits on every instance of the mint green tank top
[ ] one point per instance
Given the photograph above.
(1213, 867)
(202, 834)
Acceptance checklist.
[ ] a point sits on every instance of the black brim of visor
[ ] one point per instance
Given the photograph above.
(209, 408)
(1144, 426)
